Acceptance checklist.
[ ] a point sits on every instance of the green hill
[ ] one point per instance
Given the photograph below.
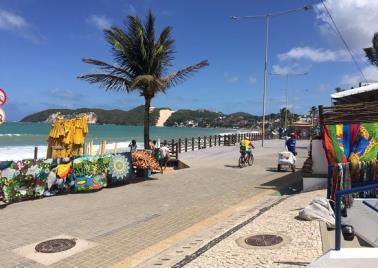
(203, 118)
(119, 117)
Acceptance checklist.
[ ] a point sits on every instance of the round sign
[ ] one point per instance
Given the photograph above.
(3, 96)
(2, 116)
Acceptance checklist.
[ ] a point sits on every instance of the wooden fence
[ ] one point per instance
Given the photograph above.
(182, 145)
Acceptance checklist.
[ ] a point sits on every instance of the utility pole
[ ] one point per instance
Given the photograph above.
(287, 90)
(267, 19)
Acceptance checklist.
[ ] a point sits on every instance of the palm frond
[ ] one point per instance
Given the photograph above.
(107, 81)
(372, 52)
(180, 75)
(148, 84)
(114, 70)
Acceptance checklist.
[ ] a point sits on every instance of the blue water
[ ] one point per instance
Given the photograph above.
(35, 134)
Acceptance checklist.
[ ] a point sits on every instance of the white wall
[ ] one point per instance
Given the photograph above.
(319, 159)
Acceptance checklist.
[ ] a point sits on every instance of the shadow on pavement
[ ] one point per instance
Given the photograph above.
(292, 183)
(232, 166)
(296, 263)
(283, 170)
(132, 181)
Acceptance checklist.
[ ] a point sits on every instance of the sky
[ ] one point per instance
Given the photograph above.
(42, 43)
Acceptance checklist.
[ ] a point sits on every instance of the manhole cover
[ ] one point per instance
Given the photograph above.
(263, 240)
(55, 245)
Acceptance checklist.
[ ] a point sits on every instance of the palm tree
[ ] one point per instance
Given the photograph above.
(141, 63)
(313, 112)
(372, 52)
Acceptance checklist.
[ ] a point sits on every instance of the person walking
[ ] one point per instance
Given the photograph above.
(164, 156)
(133, 146)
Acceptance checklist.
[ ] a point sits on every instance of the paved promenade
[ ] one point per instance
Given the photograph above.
(143, 217)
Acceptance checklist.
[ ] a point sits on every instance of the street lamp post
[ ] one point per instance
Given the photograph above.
(267, 18)
(287, 89)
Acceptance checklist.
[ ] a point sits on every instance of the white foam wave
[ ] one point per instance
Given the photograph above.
(12, 135)
(27, 152)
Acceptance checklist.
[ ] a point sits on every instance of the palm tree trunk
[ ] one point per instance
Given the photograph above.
(147, 105)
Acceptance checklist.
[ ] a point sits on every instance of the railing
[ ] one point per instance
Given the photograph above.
(181, 145)
(339, 194)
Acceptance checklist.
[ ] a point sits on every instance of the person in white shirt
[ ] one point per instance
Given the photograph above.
(164, 156)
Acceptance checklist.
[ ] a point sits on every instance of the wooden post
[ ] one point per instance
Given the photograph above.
(179, 145)
(210, 141)
(173, 145)
(321, 118)
(204, 142)
(215, 140)
(219, 140)
(192, 143)
(35, 153)
(186, 144)
(177, 150)
(199, 143)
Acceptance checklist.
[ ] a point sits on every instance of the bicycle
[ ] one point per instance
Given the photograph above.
(246, 158)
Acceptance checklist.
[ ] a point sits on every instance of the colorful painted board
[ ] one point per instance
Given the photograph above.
(120, 168)
(24, 180)
(90, 172)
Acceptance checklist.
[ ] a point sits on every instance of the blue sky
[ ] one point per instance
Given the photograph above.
(42, 43)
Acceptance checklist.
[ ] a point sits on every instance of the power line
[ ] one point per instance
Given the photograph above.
(343, 40)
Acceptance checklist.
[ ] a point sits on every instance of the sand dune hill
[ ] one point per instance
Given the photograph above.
(163, 117)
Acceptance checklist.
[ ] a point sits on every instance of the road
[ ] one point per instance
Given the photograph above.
(124, 220)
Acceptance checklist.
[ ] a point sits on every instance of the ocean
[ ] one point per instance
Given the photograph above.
(17, 140)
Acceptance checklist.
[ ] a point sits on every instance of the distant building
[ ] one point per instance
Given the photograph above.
(364, 93)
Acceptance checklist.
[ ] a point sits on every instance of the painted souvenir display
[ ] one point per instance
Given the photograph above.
(120, 168)
(24, 180)
(90, 172)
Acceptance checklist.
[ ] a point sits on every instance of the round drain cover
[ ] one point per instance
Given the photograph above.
(55, 245)
(263, 240)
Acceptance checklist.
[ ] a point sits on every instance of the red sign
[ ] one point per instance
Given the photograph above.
(3, 97)
(2, 116)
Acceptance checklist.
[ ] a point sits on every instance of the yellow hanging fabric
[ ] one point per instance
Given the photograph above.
(67, 137)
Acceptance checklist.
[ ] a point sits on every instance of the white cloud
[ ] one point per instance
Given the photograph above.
(370, 72)
(100, 21)
(314, 54)
(356, 19)
(252, 80)
(131, 9)
(290, 69)
(65, 94)
(12, 22)
(230, 78)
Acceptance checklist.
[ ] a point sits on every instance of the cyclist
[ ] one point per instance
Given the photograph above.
(247, 146)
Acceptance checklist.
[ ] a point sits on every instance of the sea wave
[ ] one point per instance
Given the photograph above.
(17, 135)
(8, 153)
